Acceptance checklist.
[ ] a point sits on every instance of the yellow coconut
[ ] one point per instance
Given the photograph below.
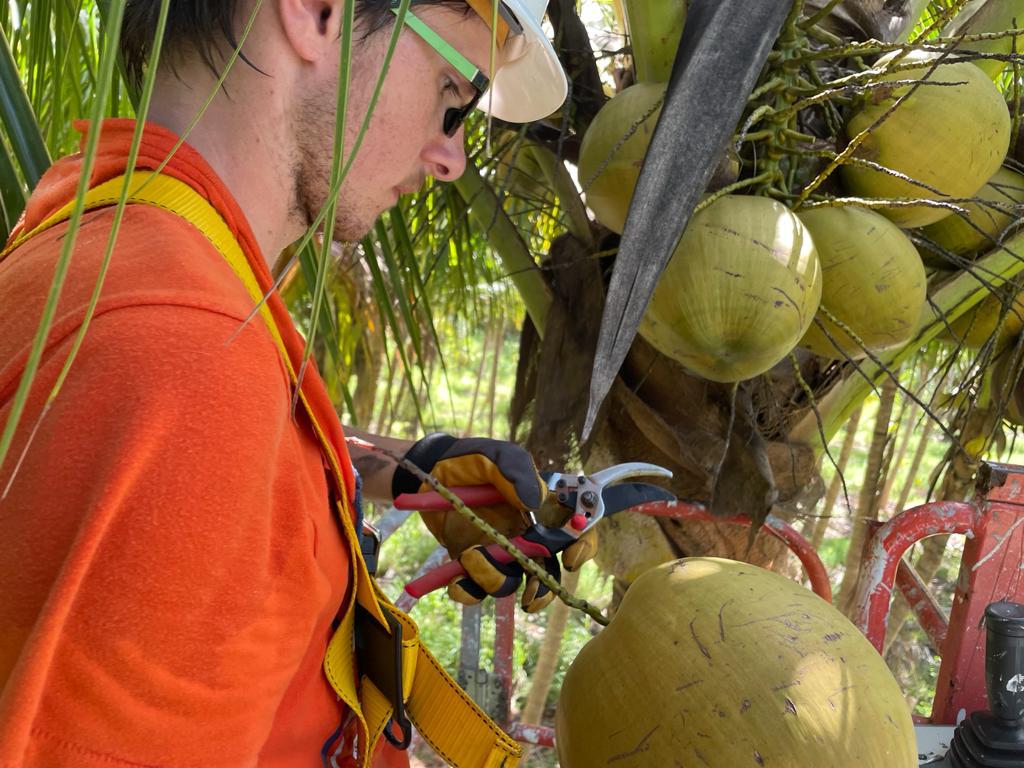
(518, 173)
(999, 205)
(1007, 387)
(951, 133)
(613, 150)
(739, 291)
(977, 326)
(719, 663)
(873, 282)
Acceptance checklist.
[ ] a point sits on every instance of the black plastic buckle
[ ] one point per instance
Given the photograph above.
(379, 656)
(369, 545)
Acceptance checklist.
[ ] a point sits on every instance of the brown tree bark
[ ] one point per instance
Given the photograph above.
(548, 656)
(915, 465)
(867, 503)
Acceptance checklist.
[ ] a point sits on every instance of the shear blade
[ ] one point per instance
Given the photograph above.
(625, 495)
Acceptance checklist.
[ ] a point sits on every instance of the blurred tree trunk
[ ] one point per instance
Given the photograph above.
(547, 657)
(867, 503)
(904, 426)
(816, 527)
(915, 466)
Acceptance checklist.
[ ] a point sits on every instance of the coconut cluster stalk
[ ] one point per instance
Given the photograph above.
(980, 17)
(654, 28)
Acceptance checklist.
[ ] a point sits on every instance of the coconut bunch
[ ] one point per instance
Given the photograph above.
(858, 167)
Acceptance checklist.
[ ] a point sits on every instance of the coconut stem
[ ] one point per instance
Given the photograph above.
(1015, 107)
(874, 48)
(855, 142)
(729, 189)
(822, 12)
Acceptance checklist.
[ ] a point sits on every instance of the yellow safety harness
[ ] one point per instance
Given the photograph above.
(390, 652)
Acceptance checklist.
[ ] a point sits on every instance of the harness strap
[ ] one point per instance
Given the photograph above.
(445, 716)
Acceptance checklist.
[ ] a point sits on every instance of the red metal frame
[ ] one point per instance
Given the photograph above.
(990, 570)
(923, 604)
(884, 551)
(778, 528)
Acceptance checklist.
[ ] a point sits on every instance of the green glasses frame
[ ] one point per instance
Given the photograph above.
(454, 117)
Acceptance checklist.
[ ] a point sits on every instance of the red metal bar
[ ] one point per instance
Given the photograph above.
(929, 613)
(991, 570)
(776, 527)
(878, 568)
(541, 735)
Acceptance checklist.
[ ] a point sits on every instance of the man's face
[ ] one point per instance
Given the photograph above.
(405, 141)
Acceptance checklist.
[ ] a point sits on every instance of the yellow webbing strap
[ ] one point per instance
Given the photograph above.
(443, 713)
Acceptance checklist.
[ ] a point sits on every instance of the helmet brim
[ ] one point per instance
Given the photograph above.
(529, 83)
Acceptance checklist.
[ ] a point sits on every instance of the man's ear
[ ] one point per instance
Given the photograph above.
(312, 27)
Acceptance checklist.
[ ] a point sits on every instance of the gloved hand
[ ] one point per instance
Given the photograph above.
(489, 577)
(510, 469)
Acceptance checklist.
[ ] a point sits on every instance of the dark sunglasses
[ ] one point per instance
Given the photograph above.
(454, 117)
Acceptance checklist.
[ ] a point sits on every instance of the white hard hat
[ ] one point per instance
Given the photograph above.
(529, 83)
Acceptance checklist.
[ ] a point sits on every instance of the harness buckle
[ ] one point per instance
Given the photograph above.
(369, 546)
(379, 656)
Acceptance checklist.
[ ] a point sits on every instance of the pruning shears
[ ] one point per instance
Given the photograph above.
(588, 497)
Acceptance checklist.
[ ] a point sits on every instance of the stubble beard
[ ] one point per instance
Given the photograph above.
(313, 127)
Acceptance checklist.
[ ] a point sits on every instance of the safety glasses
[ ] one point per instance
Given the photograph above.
(453, 116)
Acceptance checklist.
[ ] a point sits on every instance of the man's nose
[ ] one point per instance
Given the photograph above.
(446, 159)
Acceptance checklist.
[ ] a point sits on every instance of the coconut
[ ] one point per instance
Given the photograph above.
(1007, 387)
(739, 291)
(613, 150)
(951, 133)
(998, 206)
(518, 173)
(873, 283)
(719, 663)
(975, 327)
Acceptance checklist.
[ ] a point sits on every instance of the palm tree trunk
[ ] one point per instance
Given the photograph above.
(547, 657)
(915, 465)
(867, 503)
(905, 424)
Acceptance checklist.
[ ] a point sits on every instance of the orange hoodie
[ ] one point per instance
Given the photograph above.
(169, 559)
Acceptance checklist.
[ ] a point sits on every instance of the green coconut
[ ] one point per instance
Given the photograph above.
(1007, 387)
(739, 291)
(989, 318)
(613, 150)
(711, 662)
(951, 133)
(998, 206)
(873, 283)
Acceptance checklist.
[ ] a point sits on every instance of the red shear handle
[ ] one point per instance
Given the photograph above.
(443, 575)
(431, 501)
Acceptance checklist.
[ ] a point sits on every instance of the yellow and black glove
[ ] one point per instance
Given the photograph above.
(511, 470)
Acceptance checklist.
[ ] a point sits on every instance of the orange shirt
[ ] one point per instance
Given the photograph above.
(169, 561)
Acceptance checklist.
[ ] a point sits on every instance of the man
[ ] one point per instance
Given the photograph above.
(174, 557)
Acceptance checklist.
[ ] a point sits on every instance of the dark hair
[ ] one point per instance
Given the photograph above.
(203, 25)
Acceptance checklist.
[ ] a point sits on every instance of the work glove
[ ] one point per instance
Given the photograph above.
(510, 469)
